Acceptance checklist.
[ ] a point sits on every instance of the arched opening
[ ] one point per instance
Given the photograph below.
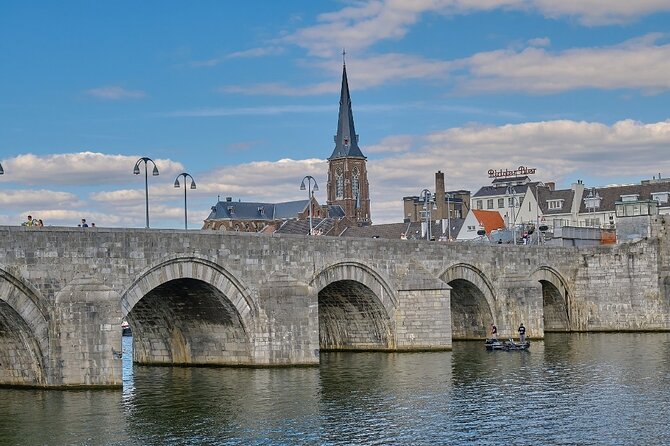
(351, 317)
(20, 363)
(472, 302)
(187, 321)
(470, 312)
(554, 308)
(555, 299)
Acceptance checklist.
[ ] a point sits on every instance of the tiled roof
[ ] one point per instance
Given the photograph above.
(491, 220)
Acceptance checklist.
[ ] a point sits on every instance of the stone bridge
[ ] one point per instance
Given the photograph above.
(210, 298)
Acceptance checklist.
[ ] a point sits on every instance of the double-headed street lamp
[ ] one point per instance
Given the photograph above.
(136, 171)
(311, 190)
(176, 184)
(427, 202)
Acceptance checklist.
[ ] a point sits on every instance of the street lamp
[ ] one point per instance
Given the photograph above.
(310, 190)
(512, 191)
(426, 206)
(136, 171)
(176, 185)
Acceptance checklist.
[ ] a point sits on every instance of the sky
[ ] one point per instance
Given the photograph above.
(243, 96)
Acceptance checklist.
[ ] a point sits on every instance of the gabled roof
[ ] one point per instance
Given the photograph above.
(239, 210)
(346, 140)
(491, 220)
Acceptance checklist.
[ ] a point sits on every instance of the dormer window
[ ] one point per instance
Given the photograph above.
(592, 200)
(231, 210)
(555, 204)
(261, 210)
(630, 197)
(660, 197)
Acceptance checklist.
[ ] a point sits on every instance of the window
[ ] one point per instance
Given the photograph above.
(592, 222)
(339, 184)
(354, 182)
(479, 204)
(510, 201)
(555, 204)
(501, 203)
(489, 203)
(660, 197)
(471, 228)
(629, 197)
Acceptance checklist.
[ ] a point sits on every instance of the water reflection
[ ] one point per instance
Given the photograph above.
(594, 389)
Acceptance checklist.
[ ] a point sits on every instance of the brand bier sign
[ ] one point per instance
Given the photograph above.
(522, 170)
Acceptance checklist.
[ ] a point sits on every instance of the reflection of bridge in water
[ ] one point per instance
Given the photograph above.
(204, 298)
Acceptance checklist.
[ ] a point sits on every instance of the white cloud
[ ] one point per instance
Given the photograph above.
(115, 93)
(539, 41)
(363, 24)
(78, 168)
(391, 144)
(638, 63)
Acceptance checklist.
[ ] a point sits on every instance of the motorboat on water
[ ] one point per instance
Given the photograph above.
(125, 329)
(509, 345)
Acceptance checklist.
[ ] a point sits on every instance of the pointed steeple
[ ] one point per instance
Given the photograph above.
(346, 140)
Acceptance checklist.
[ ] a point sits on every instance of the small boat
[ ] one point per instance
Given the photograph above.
(125, 329)
(510, 345)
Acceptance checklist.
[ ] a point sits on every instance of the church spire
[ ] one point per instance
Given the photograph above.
(346, 140)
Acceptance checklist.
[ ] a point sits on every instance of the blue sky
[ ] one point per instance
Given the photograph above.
(244, 96)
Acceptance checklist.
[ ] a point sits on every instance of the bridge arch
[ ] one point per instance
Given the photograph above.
(190, 311)
(555, 299)
(24, 333)
(473, 301)
(356, 308)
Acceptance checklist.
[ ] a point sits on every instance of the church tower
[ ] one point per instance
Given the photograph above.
(347, 173)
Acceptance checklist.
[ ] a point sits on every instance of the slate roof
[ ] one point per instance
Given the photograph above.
(491, 191)
(239, 210)
(346, 140)
(544, 194)
(393, 230)
(610, 195)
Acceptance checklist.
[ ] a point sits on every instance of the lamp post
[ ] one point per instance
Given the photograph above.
(176, 185)
(426, 206)
(448, 217)
(136, 171)
(510, 190)
(310, 190)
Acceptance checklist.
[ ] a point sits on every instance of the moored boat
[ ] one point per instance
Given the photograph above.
(125, 329)
(495, 344)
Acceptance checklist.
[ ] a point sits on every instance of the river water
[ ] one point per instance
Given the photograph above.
(570, 389)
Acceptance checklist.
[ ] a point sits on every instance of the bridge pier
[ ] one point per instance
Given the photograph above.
(86, 336)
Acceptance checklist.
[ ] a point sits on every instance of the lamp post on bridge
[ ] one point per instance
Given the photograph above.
(136, 171)
(512, 200)
(427, 202)
(310, 190)
(176, 185)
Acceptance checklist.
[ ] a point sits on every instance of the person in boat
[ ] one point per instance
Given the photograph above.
(494, 331)
(522, 333)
